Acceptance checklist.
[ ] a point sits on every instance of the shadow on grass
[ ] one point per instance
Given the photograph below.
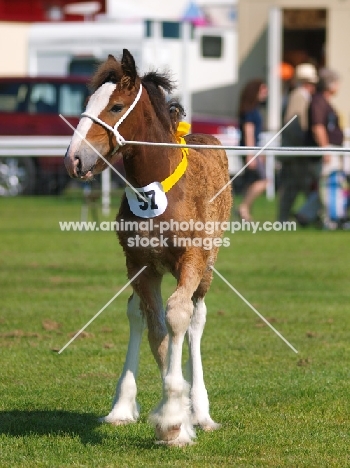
(60, 423)
(23, 423)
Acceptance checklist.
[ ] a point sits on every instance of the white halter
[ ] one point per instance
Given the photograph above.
(114, 130)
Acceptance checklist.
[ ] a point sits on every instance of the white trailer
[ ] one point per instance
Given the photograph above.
(52, 47)
(209, 54)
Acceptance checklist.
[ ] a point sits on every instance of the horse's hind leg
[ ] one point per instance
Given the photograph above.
(198, 393)
(125, 408)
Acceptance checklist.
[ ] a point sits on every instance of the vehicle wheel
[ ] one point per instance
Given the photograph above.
(51, 182)
(17, 176)
(61, 181)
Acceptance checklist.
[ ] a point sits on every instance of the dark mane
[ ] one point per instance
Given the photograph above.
(155, 84)
(108, 71)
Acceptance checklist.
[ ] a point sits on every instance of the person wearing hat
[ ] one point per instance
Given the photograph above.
(297, 172)
(324, 131)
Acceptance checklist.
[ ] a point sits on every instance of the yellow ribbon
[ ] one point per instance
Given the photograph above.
(182, 129)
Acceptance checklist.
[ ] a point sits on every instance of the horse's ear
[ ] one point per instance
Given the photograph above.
(129, 69)
(112, 75)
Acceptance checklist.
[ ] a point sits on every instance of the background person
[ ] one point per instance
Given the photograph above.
(253, 94)
(298, 172)
(324, 131)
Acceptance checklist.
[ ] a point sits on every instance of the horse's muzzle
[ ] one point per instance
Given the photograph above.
(80, 164)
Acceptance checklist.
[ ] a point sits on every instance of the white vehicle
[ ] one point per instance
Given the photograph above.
(204, 63)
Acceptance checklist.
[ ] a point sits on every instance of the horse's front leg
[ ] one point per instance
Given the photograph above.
(172, 418)
(125, 408)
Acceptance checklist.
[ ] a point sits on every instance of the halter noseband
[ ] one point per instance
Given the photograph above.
(114, 130)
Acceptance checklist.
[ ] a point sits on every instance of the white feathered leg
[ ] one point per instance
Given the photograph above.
(198, 392)
(125, 408)
(172, 418)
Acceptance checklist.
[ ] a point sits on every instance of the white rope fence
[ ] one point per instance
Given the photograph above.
(22, 146)
(242, 150)
(32, 146)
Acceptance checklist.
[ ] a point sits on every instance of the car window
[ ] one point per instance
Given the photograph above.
(43, 99)
(13, 97)
(83, 66)
(72, 99)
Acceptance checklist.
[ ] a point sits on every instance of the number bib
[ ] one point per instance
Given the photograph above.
(156, 200)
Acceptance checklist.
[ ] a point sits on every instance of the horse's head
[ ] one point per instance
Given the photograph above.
(116, 90)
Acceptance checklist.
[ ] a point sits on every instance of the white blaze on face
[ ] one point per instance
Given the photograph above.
(97, 103)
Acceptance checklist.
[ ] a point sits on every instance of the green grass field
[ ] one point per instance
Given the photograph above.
(277, 408)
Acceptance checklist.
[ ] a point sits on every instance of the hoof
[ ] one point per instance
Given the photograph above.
(168, 434)
(206, 424)
(175, 436)
(210, 426)
(116, 422)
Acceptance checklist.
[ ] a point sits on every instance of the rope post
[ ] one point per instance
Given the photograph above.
(275, 90)
(186, 95)
(270, 175)
(106, 191)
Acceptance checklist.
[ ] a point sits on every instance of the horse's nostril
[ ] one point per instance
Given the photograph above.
(77, 165)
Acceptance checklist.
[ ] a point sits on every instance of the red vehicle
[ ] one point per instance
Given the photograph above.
(214, 125)
(31, 106)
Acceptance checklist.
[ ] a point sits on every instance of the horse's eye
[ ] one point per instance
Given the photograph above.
(117, 108)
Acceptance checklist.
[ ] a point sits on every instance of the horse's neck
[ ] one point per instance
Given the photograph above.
(146, 164)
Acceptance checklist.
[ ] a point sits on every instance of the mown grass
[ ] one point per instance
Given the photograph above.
(277, 409)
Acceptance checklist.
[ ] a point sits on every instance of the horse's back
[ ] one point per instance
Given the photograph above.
(213, 159)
